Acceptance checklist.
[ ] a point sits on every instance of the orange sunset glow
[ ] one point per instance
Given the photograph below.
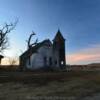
(91, 54)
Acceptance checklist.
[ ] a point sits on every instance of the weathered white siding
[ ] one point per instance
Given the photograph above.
(37, 59)
(45, 52)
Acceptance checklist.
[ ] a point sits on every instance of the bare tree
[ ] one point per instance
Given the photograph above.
(4, 41)
(7, 28)
(13, 60)
(29, 44)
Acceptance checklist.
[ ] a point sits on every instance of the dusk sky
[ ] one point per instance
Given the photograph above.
(78, 20)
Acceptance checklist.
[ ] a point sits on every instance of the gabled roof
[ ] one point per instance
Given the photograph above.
(34, 49)
(58, 36)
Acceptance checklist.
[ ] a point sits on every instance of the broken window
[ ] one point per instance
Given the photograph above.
(45, 61)
(55, 62)
(62, 62)
(50, 61)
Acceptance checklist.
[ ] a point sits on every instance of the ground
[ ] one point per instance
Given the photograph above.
(72, 85)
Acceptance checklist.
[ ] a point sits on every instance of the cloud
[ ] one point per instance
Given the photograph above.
(84, 56)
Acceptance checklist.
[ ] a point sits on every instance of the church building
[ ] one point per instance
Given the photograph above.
(45, 54)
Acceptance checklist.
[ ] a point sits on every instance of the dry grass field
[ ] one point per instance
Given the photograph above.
(73, 85)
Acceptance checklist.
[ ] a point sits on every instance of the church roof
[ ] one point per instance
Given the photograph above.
(34, 49)
(58, 36)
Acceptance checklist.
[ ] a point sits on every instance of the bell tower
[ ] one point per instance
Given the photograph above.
(59, 49)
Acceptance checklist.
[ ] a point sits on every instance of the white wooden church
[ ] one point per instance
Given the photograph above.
(45, 54)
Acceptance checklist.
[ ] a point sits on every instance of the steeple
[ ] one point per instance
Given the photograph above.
(59, 49)
(58, 36)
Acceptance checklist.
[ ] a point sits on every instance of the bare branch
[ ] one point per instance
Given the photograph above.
(29, 45)
(36, 41)
(7, 28)
(13, 61)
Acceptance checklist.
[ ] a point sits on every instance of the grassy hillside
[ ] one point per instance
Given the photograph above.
(73, 85)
